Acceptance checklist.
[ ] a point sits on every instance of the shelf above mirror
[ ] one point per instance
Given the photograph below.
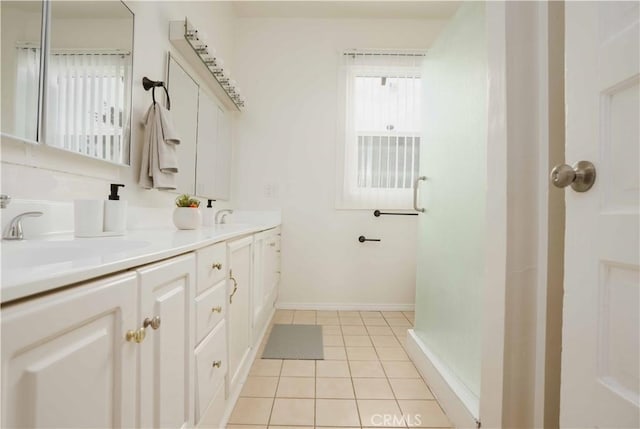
(192, 45)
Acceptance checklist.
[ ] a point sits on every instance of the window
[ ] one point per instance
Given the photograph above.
(381, 132)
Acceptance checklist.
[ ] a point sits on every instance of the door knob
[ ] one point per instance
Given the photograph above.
(581, 176)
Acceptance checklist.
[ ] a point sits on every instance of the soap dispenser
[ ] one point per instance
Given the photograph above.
(115, 211)
(208, 215)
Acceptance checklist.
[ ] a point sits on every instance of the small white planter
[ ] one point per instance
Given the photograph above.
(187, 218)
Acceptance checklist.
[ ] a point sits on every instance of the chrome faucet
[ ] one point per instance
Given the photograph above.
(14, 230)
(221, 216)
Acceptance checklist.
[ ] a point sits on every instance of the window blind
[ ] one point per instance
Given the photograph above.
(86, 99)
(27, 91)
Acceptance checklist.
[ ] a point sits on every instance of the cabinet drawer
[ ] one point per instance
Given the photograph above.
(210, 378)
(212, 266)
(210, 309)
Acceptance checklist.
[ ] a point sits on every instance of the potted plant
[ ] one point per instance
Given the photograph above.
(186, 214)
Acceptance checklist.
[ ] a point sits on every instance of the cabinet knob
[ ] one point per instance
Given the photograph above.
(217, 309)
(216, 266)
(136, 336)
(217, 363)
(153, 322)
(272, 244)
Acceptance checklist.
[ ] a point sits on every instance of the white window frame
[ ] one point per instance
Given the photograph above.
(348, 194)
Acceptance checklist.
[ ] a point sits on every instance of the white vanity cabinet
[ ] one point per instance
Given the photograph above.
(166, 358)
(163, 345)
(240, 253)
(65, 360)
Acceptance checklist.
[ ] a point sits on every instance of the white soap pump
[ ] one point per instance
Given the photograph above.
(115, 211)
(208, 215)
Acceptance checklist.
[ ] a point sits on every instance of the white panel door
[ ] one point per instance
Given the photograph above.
(166, 354)
(239, 316)
(601, 327)
(65, 360)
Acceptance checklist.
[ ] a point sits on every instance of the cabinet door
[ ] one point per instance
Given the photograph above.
(258, 287)
(271, 272)
(65, 360)
(239, 318)
(166, 354)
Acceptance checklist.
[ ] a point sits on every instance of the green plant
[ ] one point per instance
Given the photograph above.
(185, 200)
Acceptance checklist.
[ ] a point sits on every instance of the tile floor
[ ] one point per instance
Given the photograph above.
(366, 379)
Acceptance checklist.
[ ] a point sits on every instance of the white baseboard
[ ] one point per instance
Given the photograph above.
(459, 403)
(328, 306)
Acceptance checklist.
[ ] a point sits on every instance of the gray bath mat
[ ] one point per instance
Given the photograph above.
(294, 342)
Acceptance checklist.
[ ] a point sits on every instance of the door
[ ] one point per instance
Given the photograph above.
(65, 360)
(239, 318)
(600, 384)
(166, 354)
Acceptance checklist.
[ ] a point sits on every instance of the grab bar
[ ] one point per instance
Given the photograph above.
(378, 213)
(415, 194)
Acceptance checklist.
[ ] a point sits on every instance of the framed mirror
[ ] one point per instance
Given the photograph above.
(88, 87)
(21, 68)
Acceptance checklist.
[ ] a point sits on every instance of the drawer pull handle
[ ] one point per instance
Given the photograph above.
(216, 266)
(217, 309)
(154, 322)
(272, 244)
(136, 336)
(217, 363)
(235, 287)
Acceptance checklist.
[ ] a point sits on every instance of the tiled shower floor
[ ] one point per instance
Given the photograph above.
(366, 379)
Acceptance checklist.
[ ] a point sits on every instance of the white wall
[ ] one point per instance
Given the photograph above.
(285, 147)
(44, 173)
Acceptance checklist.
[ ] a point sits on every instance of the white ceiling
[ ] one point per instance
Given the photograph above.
(347, 9)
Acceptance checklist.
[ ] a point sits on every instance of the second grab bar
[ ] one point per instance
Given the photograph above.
(416, 184)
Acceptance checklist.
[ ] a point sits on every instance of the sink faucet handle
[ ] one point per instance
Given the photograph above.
(221, 215)
(14, 230)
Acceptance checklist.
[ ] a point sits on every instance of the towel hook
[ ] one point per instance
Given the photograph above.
(148, 84)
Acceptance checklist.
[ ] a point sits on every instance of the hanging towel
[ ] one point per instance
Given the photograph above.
(167, 157)
(151, 174)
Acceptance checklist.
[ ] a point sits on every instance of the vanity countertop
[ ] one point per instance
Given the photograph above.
(30, 267)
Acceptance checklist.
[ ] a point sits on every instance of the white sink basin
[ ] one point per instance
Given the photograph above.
(30, 253)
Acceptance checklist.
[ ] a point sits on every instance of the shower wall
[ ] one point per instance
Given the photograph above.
(451, 245)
